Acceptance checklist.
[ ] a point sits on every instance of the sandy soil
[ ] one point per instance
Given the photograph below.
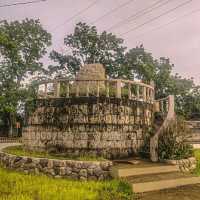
(183, 193)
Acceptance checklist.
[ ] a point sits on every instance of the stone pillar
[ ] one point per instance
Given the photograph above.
(119, 91)
(91, 79)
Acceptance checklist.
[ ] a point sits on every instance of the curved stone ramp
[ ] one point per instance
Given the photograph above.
(4, 145)
(72, 169)
(149, 177)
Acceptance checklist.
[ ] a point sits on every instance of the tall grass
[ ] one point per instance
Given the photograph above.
(197, 156)
(18, 186)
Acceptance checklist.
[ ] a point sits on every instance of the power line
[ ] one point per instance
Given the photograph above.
(126, 3)
(157, 17)
(140, 13)
(20, 3)
(170, 22)
(112, 11)
(75, 15)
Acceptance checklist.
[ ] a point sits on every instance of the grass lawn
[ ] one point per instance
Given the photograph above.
(197, 156)
(19, 151)
(18, 186)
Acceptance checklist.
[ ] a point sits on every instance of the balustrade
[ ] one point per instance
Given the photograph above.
(110, 88)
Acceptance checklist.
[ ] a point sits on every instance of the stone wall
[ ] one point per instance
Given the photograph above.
(83, 170)
(185, 165)
(107, 127)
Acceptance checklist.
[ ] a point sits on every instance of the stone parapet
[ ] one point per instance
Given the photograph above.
(72, 169)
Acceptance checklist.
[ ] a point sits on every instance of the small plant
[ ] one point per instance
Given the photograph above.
(172, 142)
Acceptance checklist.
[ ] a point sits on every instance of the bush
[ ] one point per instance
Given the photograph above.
(172, 142)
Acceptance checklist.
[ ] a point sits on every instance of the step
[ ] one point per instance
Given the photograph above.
(157, 177)
(137, 171)
(164, 184)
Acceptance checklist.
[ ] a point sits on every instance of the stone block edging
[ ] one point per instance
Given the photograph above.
(185, 165)
(72, 169)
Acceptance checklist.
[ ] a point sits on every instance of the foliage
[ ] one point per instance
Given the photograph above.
(163, 81)
(22, 45)
(188, 105)
(172, 142)
(87, 46)
(20, 151)
(139, 64)
(184, 90)
(15, 185)
(197, 156)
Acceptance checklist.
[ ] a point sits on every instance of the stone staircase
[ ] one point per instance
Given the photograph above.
(146, 176)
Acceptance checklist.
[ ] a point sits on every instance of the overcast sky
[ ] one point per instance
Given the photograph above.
(180, 40)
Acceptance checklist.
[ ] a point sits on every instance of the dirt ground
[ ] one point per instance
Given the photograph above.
(183, 193)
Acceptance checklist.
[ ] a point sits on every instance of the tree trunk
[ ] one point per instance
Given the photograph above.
(10, 120)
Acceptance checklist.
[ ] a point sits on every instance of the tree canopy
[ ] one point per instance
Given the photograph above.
(22, 45)
(86, 45)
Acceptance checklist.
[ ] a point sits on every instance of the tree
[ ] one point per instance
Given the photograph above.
(139, 64)
(87, 46)
(188, 105)
(182, 88)
(22, 45)
(163, 81)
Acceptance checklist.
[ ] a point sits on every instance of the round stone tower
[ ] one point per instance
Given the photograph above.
(90, 115)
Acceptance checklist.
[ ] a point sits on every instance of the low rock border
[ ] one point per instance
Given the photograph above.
(72, 169)
(185, 165)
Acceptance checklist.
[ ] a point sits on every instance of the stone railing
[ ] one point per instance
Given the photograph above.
(164, 106)
(10, 140)
(109, 88)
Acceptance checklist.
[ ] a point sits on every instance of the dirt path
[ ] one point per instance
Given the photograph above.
(183, 193)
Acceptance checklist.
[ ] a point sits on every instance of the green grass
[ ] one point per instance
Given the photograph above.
(197, 156)
(18, 186)
(19, 151)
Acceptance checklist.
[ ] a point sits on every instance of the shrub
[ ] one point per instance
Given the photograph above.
(172, 142)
